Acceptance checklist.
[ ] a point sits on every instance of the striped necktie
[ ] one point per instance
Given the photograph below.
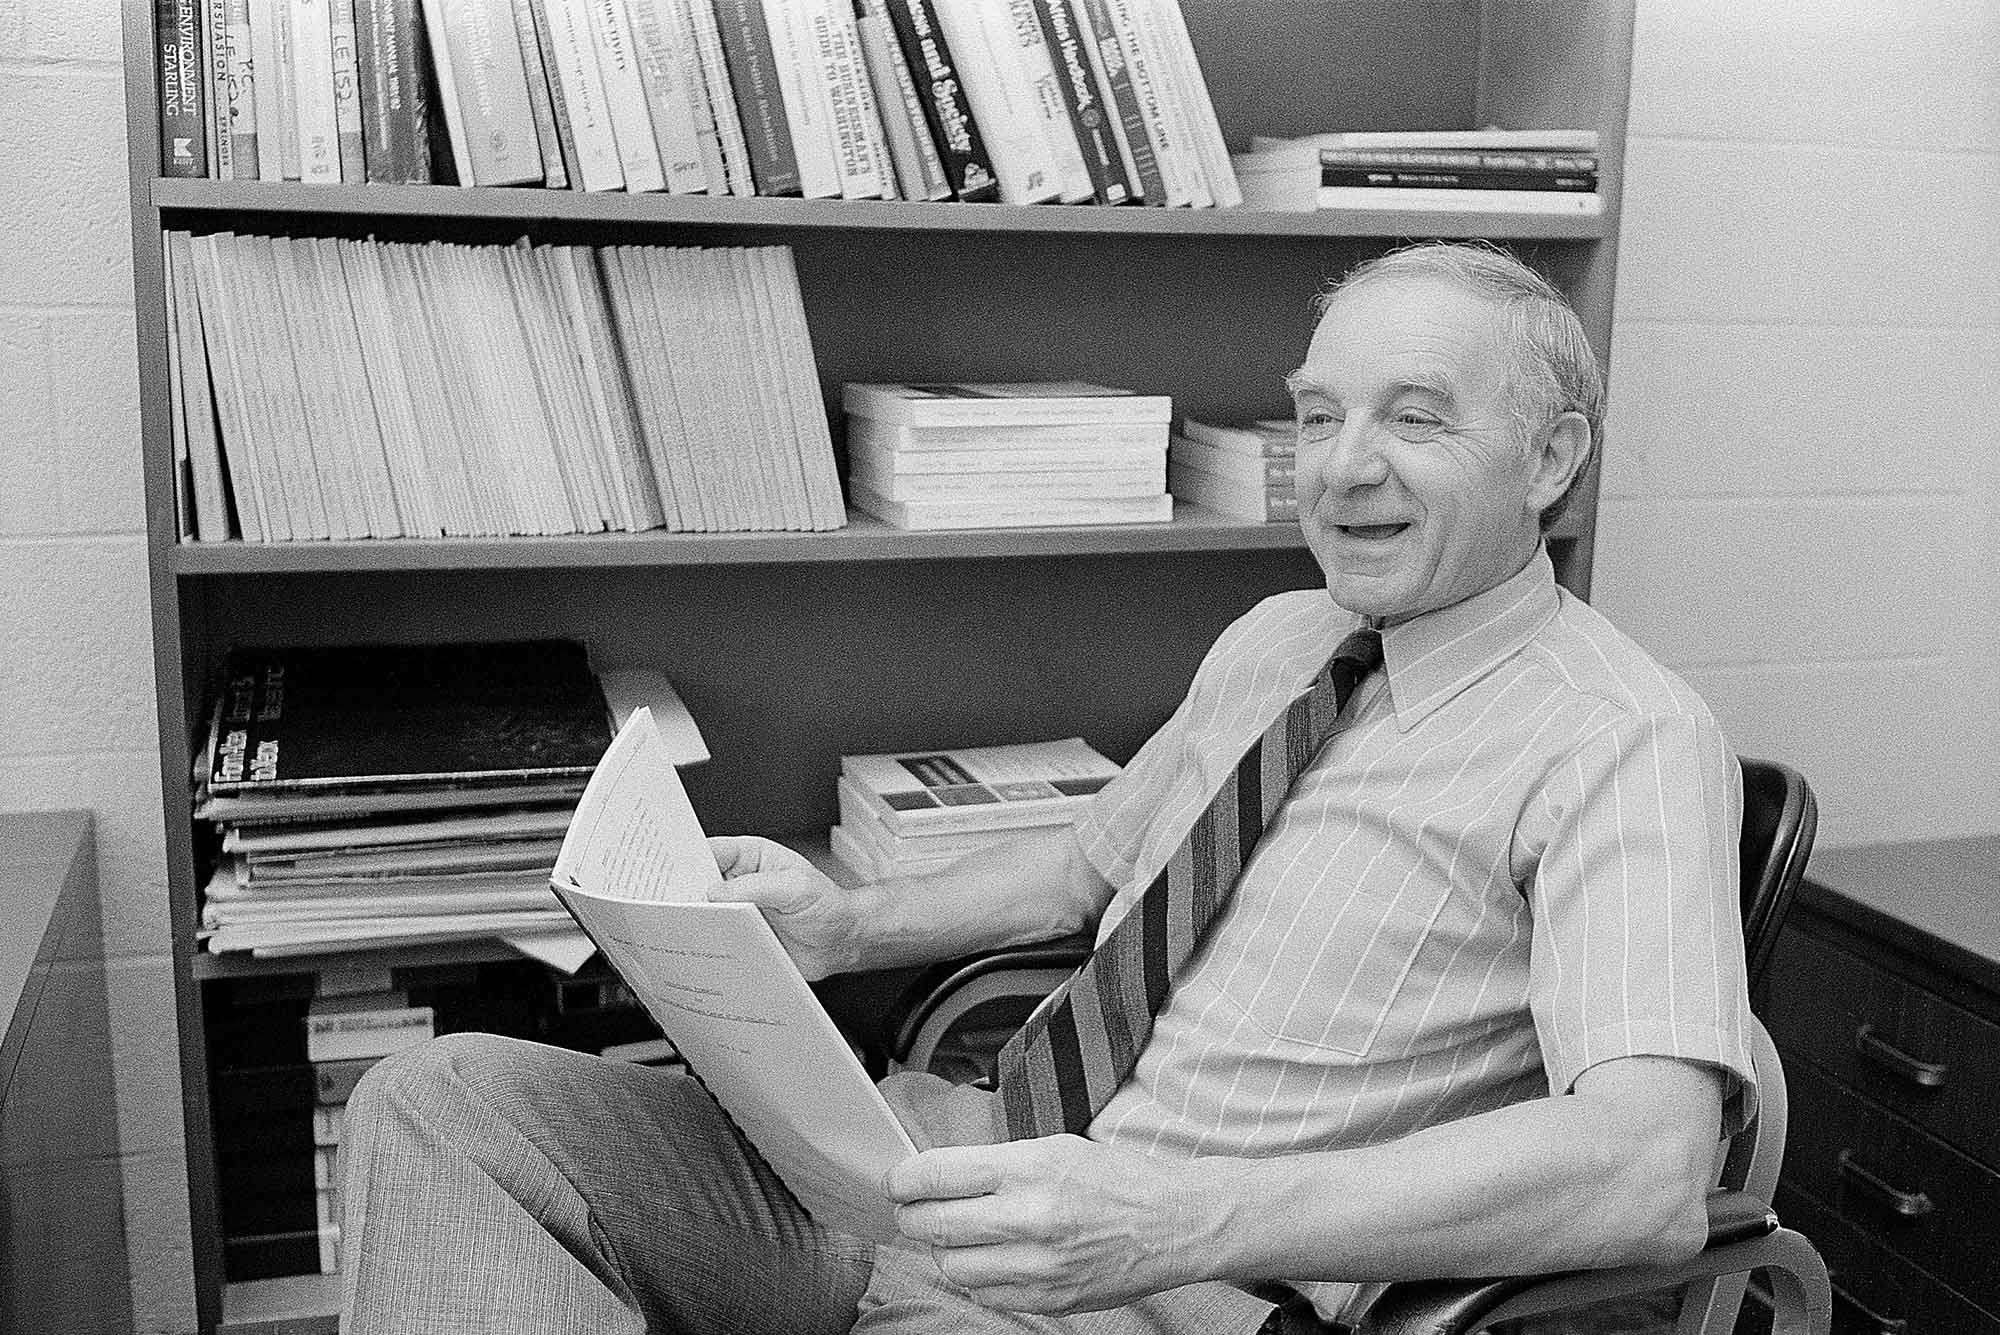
(1063, 1065)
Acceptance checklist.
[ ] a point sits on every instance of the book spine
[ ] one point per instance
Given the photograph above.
(808, 107)
(715, 77)
(1454, 179)
(313, 80)
(865, 172)
(264, 85)
(1083, 101)
(753, 72)
(394, 142)
(1580, 203)
(1209, 147)
(177, 44)
(1242, 469)
(491, 84)
(216, 143)
(1258, 504)
(288, 90)
(1173, 125)
(1003, 98)
(572, 57)
(1448, 159)
(656, 49)
(1109, 483)
(861, 401)
(347, 92)
(534, 27)
(1031, 512)
(238, 89)
(1128, 120)
(544, 105)
(1038, 64)
(968, 166)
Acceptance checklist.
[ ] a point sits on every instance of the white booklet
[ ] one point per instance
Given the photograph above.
(635, 871)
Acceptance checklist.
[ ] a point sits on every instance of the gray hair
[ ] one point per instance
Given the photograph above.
(1557, 368)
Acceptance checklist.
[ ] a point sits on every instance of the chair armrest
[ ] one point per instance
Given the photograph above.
(945, 990)
(1737, 1224)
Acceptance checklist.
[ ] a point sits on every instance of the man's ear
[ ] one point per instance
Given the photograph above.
(1561, 451)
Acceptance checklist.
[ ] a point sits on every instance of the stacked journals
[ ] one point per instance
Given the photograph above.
(389, 794)
(906, 813)
(1243, 471)
(367, 389)
(1024, 101)
(1503, 171)
(1007, 456)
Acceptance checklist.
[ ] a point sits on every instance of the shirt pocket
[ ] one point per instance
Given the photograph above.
(1334, 975)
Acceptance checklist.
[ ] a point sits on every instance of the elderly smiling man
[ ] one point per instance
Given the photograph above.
(1418, 951)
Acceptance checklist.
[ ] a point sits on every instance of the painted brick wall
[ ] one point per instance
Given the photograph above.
(76, 690)
(1801, 503)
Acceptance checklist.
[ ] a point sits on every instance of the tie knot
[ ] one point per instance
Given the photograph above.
(1362, 648)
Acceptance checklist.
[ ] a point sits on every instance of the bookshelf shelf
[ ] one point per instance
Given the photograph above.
(792, 649)
(190, 199)
(864, 539)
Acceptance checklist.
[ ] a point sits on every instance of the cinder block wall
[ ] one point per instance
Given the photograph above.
(1801, 507)
(1801, 502)
(76, 690)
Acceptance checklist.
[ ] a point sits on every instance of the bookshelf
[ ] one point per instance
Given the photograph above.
(793, 648)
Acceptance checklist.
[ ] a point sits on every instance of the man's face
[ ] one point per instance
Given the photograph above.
(1415, 490)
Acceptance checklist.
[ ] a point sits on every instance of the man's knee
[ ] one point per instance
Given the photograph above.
(431, 1075)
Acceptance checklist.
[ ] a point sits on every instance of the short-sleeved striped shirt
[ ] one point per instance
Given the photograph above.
(1516, 859)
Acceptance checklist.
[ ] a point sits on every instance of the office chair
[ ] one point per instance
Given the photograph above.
(947, 1013)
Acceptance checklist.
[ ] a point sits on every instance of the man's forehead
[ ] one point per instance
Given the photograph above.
(1422, 332)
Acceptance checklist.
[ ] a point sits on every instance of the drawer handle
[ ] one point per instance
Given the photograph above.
(1883, 1325)
(1926, 1075)
(1909, 1204)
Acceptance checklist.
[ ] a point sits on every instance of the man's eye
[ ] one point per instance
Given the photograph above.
(1413, 425)
(1316, 422)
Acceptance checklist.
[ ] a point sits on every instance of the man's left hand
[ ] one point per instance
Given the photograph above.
(1057, 1224)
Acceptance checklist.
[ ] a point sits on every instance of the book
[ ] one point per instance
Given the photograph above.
(1108, 55)
(867, 458)
(1550, 140)
(1469, 159)
(636, 872)
(721, 97)
(1021, 512)
(552, 131)
(865, 169)
(346, 91)
(1038, 61)
(760, 102)
(656, 43)
(1085, 99)
(1459, 178)
(1169, 126)
(208, 475)
(947, 404)
(808, 104)
(934, 72)
(483, 87)
(406, 715)
(1147, 479)
(1235, 466)
(391, 53)
(1270, 437)
(365, 1025)
(1572, 203)
(625, 95)
(986, 440)
(959, 789)
(178, 42)
(1259, 502)
(1182, 68)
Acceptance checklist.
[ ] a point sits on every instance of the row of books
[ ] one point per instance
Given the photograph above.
(287, 1050)
(1242, 470)
(1007, 455)
(332, 388)
(383, 795)
(1024, 101)
(1510, 171)
(907, 813)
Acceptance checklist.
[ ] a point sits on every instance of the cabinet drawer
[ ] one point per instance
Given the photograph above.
(1930, 1061)
(1921, 1198)
(1875, 1292)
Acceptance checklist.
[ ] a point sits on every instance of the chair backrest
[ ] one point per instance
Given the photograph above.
(1780, 818)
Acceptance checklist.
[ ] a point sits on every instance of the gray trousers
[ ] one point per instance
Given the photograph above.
(494, 1185)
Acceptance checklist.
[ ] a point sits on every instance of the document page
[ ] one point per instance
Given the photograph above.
(635, 871)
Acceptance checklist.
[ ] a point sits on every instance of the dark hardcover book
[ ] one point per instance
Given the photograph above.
(1404, 178)
(177, 42)
(271, 1255)
(753, 77)
(333, 1082)
(401, 716)
(391, 55)
(967, 165)
(1087, 101)
(1141, 161)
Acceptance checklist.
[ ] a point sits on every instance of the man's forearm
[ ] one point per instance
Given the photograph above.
(1607, 1176)
(1029, 889)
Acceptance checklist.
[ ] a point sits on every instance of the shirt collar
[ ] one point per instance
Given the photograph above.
(1433, 657)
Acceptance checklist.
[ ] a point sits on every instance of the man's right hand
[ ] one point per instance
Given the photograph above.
(818, 920)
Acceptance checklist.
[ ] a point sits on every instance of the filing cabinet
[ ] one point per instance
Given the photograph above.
(1884, 1000)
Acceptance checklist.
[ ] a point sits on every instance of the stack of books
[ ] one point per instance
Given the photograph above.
(936, 456)
(1023, 101)
(1501, 171)
(906, 813)
(391, 794)
(328, 388)
(1244, 471)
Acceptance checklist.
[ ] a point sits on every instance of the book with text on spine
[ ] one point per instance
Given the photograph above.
(636, 872)
(979, 787)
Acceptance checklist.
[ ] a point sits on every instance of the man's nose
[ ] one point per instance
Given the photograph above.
(1354, 456)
